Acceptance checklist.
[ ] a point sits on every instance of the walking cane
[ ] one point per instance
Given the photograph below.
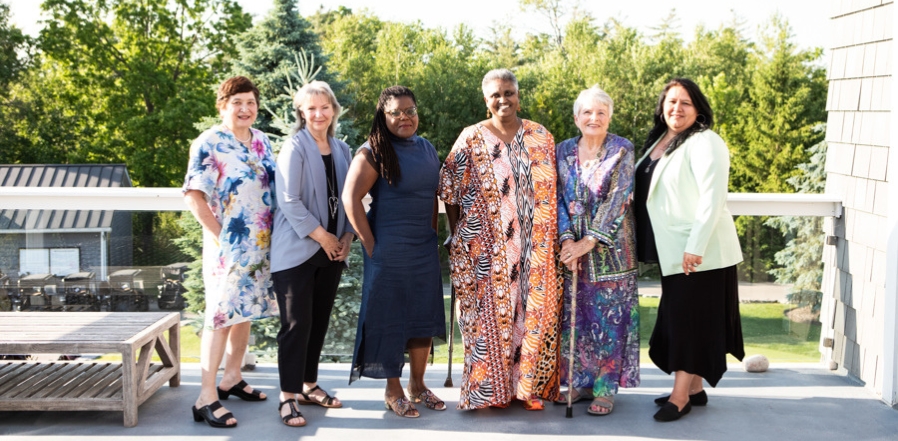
(448, 382)
(570, 364)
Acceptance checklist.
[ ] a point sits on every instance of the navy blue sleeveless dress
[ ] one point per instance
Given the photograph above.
(402, 294)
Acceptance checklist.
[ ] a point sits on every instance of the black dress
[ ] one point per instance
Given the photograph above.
(698, 317)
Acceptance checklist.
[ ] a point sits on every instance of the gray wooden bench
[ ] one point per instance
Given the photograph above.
(79, 385)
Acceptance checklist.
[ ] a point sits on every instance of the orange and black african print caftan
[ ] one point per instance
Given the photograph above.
(502, 258)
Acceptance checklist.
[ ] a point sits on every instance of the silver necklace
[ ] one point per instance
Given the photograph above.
(651, 165)
(332, 200)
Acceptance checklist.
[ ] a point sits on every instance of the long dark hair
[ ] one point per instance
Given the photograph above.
(379, 138)
(703, 120)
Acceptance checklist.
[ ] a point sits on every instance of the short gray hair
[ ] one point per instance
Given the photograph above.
(594, 95)
(310, 89)
(500, 75)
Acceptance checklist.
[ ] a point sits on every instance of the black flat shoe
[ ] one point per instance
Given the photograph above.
(669, 412)
(699, 399)
(237, 390)
(207, 413)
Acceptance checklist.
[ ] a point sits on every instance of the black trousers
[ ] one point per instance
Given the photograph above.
(305, 295)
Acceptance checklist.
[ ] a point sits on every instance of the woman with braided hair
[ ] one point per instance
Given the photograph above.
(402, 295)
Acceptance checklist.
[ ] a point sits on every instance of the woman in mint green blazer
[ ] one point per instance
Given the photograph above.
(684, 226)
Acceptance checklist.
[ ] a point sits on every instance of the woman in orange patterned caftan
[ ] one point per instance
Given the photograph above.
(498, 184)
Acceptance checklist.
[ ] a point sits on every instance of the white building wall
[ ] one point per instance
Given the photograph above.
(858, 131)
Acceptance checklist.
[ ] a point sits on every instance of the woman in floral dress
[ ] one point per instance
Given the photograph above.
(596, 231)
(228, 190)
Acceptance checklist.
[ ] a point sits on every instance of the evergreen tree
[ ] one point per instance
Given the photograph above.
(776, 123)
(267, 54)
(786, 100)
(801, 260)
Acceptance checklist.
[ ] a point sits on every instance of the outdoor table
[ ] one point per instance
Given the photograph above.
(88, 385)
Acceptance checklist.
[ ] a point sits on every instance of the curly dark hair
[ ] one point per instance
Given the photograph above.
(379, 139)
(704, 119)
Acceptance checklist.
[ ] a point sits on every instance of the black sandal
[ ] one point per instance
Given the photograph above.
(238, 391)
(207, 413)
(294, 413)
(325, 401)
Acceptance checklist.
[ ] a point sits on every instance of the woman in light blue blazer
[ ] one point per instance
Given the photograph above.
(684, 226)
(310, 243)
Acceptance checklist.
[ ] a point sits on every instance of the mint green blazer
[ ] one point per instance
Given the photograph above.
(687, 205)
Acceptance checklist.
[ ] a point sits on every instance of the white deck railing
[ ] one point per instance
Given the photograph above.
(171, 199)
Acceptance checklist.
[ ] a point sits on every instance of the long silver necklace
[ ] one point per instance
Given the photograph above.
(332, 198)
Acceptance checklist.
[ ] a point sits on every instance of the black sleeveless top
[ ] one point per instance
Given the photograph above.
(645, 236)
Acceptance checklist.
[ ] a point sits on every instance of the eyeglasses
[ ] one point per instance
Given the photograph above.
(411, 112)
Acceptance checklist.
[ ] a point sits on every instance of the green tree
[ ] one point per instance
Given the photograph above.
(800, 262)
(147, 67)
(267, 54)
(776, 124)
(501, 47)
(786, 101)
(350, 39)
(371, 55)
(12, 43)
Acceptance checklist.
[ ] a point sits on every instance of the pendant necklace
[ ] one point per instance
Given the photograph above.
(651, 165)
(652, 162)
(332, 198)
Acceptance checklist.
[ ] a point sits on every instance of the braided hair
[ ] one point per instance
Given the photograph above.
(703, 121)
(385, 159)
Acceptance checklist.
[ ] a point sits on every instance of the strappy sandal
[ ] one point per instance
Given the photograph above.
(294, 413)
(576, 398)
(428, 398)
(402, 407)
(237, 390)
(325, 401)
(207, 413)
(606, 402)
(533, 403)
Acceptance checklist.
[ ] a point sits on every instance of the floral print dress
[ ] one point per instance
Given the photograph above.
(237, 182)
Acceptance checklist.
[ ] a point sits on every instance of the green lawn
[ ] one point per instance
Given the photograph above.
(765, 330)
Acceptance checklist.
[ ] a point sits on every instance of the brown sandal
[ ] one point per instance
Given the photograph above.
(402, 407)
(325, 401)
(427, 397)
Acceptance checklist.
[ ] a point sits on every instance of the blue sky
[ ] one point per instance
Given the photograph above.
(809, 18)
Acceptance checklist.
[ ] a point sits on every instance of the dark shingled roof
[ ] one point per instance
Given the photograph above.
(52, 175)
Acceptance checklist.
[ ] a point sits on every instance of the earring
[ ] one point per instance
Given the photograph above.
(489, 114)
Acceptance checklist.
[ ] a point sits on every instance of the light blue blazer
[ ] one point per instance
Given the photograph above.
(687, 204)
(301, 189)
